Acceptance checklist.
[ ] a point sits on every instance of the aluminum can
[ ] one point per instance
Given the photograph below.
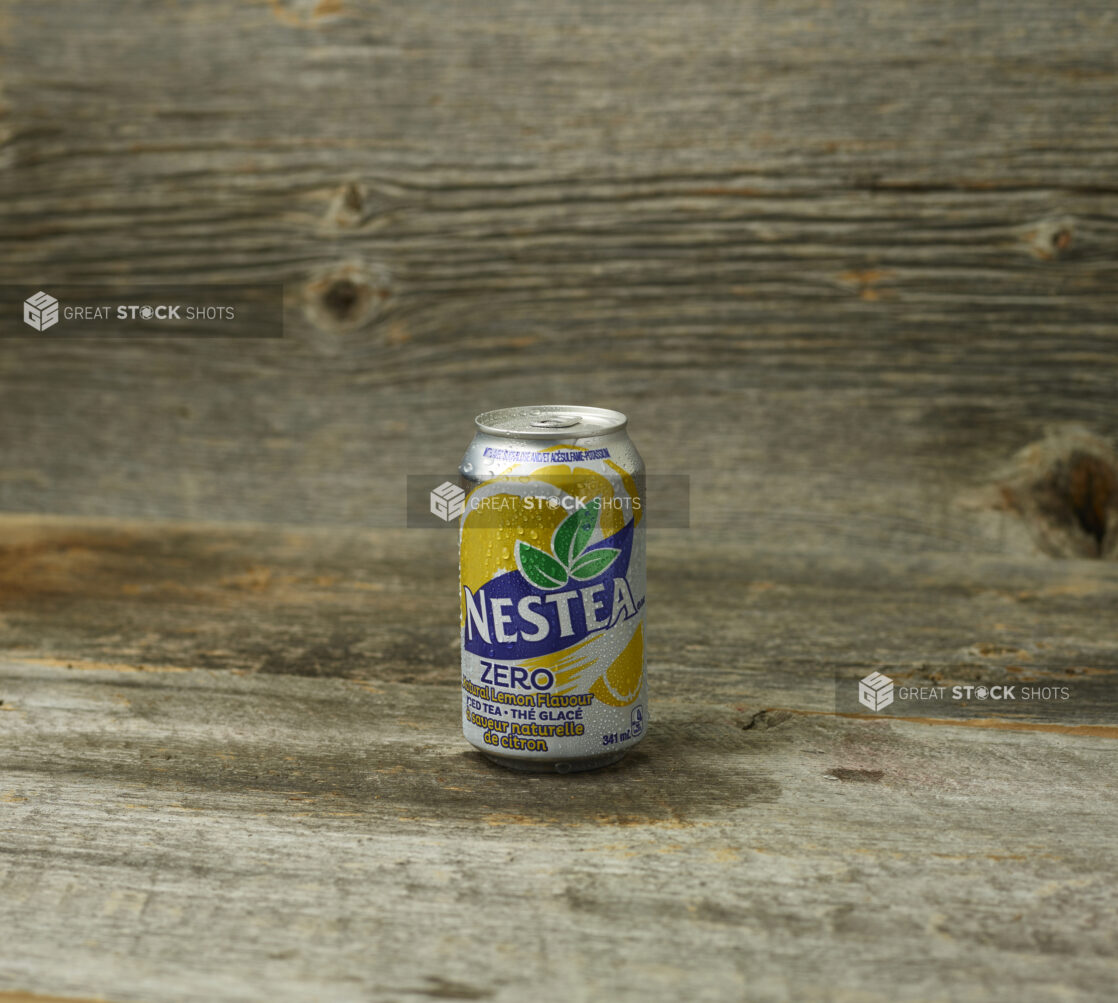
(552, 588)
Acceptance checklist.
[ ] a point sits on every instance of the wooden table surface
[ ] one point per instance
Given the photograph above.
(849, 267)
(233, 769)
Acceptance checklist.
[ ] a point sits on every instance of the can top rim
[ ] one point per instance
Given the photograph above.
(551, 421)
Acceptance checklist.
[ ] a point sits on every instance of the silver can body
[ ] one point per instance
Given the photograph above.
(552, 588)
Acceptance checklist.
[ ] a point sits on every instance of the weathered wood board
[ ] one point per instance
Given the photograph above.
(838, 263)
(199, 835)
(737, 618)
(194, 806)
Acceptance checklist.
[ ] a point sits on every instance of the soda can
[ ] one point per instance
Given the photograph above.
(552, 588)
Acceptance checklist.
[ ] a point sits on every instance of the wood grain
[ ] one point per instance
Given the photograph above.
(379, 606)
(839, 266)
(242, 744)
(21, 997)
(334, 839)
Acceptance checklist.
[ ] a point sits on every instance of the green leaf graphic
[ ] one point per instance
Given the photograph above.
(575, 531)
(587, 524)
(593, 563)
(539, 567)
(564, 537)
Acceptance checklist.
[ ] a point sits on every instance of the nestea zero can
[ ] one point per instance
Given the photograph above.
(552, 588)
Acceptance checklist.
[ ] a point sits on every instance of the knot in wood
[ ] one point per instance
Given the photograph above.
(1050, 238)
(349, 207)
(1065, 487)
(348, 297)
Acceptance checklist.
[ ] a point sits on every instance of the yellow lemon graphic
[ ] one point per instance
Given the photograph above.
(489, 534)
(621, 683)
(580, 482)
(573, 668)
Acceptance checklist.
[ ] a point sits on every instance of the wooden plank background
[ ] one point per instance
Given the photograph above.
(850, 266)
(839, 262)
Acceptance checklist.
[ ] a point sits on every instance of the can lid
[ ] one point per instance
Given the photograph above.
(551, 421)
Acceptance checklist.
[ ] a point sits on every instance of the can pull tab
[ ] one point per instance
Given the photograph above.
(556, 421)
